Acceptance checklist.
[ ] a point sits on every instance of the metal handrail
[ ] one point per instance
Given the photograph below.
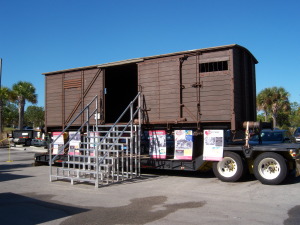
(51, 160)
(116, 139)
(102, 153)
(120, 117)
(125, 127)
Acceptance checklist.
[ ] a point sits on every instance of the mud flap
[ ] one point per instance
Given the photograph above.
(297, 167)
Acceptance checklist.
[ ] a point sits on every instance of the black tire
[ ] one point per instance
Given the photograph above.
(230, 169)
(270, 168)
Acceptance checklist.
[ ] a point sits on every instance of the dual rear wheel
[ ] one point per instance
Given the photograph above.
(269, 168)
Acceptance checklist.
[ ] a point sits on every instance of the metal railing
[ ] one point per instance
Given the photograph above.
(134, 138)
(107, 151)
(85, 123)
(130, 123)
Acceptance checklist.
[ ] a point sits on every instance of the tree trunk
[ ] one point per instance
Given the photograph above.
(21, 113)
(274, 121)
(266, 117)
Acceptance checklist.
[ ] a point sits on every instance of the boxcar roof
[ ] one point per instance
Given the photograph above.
(136, 60)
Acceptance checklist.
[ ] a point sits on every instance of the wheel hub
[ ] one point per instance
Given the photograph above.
(229, 165)
(271, 167)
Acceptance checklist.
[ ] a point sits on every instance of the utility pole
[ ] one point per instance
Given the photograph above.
(1, 121)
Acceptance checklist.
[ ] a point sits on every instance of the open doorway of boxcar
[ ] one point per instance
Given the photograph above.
(121, 86)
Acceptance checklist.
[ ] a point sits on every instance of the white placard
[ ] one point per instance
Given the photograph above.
(58, 144)
(157, 148)
(183, 144)
(74, 143)
(213, 145)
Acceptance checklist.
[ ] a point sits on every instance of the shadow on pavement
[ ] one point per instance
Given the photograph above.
(138, 211)
(6, 175)
(291, 179)
(19, 209)
(9, 176)
(182, 173)
(13, 166)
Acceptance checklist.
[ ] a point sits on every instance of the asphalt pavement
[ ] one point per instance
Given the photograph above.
(28, 197)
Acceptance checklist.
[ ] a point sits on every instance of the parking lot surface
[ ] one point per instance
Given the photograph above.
(28, 197)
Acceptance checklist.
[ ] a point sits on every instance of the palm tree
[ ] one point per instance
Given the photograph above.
(4, 96)
(22, 92)
(263, 102)
(272, 101)
(280, 102)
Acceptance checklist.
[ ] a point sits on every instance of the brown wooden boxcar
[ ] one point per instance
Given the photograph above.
(211, 87)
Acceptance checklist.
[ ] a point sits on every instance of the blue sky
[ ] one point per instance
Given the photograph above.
(38, 36)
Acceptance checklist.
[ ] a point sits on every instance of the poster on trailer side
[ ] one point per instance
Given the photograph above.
(58, 144)
(213, 145)
(74, 143)
(183, 144)
(157, 148)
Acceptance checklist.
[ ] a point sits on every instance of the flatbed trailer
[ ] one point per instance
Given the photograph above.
(198, 163)
(269, 163)
(282, 159)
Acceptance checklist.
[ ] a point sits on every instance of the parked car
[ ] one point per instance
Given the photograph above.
(297, 134)
(23, 137)
(272, 137)
(39, 143)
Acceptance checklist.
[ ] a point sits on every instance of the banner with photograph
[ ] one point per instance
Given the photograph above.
(157, 148)
(213, 145)
(74, 144)
(58, 144)
(183, 144)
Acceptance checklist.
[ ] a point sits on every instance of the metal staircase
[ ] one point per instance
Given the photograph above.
(107, 153)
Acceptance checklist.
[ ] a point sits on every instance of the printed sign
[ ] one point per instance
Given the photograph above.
(213, 145)
(183, 144)
(74, 143)
(157, 147)
(58, 144)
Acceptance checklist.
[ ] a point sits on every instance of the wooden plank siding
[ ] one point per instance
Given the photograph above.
(71, 95)
(211, 100)
(174, 90)
(95, 89)
(159, 80)
(67, 94)
(53, 105)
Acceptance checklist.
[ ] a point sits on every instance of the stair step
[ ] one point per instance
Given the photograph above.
(98, 143)
(112, 131)
(91, 159)
(77, 170)
(75, 178)
(92, 150)
(83, 171)
(108, 125)
(85, 163)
